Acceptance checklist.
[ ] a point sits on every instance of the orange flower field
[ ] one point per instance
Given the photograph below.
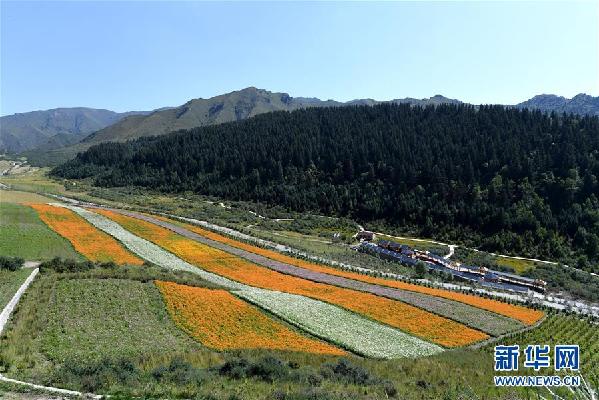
(522, 314)
(408, 318)
(94, 244)
(221, 321)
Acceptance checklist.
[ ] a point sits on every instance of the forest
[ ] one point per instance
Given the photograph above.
(498, 178)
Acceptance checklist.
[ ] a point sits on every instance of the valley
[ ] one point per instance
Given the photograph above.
(285, 277)
(306, 200)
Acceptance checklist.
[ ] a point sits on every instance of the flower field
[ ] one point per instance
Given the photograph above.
(87, 240)
(369, 338)
(523, 314)
(348, 330)
(147, 250)
(479, 319)
(222, 321)
(413, 320)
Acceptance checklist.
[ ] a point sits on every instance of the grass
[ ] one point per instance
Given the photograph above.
(139, 326)
(33, 181)
(87, 318)
(10, 281)
(64, 321)
(23, 234)
(519, 266)
(12, 196)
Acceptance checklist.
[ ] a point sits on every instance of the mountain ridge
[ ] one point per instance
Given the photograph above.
(25, 131)
(247, 103)
(582, 104)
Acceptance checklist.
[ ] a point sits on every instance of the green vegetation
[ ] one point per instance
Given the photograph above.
(517, 265)
(10, 281)
(418, 244)
(23, 234)
(11, 263)
(66, 320)
(34, 181)
(12, 196)
(563, 329)
(513, 265)
(579, 284)
(121, 312)
(102, 328)
(532, 191)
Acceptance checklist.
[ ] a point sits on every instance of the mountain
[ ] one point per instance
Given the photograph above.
(26, 131)
(582, 104)
(481, 176)
(234, 106)
(228, 107)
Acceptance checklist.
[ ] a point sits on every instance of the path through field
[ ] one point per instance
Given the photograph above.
(4, 316)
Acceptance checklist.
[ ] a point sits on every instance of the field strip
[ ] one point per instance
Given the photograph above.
(222, 321)
(94, 244)
(370, 338)
(477, 318)
(4, 316)
(10, 307)
(346, 329)
(146, 250)
(552, 302)
(410, 319)
(522, 314)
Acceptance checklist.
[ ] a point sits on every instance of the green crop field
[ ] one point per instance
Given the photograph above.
(23, 234)
(561, 329)
(9, 284)
(62, 322)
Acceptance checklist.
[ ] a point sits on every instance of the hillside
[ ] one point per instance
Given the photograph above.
(497, 178)
(246, 103)
(200, 112)
(26, 131)
(582, 104)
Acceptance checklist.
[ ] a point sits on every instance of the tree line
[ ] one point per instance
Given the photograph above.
(502, 179)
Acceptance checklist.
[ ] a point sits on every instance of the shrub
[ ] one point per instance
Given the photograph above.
(179, 372)
(345, 371)
(11, 263)
(64, 266)
(267, 369)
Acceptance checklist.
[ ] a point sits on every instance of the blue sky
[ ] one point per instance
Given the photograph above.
(143, 55)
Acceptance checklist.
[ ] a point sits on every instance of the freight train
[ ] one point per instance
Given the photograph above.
(484, 276)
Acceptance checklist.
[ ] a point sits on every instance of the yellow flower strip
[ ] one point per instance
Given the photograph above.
(94, 244)
(221, 321)
(408, 318)
(522, 314)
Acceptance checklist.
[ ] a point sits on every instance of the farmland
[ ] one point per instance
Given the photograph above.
(23, 234)
(559, 329)
(9, 283)
(220, 320)
(361, 343)
(401, 315)
(88, 241)
(237, 318)
(522, 314)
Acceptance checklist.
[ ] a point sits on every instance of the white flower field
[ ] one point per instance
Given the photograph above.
(334, 324)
